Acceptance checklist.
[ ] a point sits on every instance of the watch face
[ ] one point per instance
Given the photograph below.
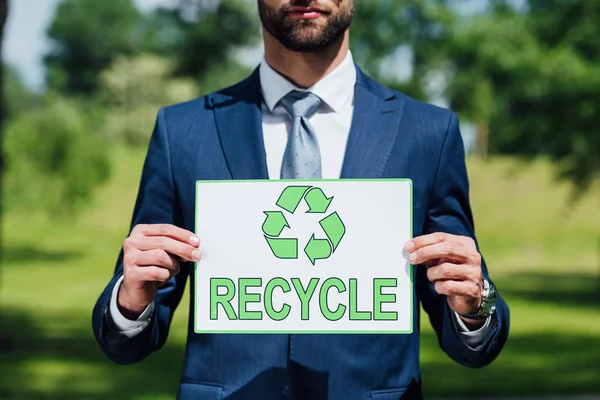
(488, 303)
(491, 300)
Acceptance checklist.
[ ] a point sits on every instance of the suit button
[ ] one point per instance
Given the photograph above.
(286, 392)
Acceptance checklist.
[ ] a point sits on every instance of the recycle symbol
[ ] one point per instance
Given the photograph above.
(318, 203)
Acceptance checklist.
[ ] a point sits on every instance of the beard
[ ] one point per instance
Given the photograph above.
(304, 35)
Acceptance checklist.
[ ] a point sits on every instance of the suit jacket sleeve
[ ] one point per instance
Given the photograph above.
(450, 212)
(156, 203)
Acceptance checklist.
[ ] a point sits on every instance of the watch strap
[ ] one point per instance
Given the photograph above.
(488, 303)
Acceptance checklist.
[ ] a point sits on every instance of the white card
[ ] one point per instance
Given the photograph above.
(297, 256)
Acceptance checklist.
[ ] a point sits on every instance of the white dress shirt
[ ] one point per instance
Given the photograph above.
(331, 123)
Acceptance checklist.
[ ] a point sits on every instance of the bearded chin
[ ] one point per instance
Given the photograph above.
(306, 36)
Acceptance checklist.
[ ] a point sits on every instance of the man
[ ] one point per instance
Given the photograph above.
(307, 112)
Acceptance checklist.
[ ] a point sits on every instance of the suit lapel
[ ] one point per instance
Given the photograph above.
(375, 125)
(239, 124)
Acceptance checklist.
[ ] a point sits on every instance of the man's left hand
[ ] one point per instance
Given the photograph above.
(454, 266)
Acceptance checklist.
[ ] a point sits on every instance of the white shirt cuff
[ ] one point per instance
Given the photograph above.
(475, 338)
(122, 324)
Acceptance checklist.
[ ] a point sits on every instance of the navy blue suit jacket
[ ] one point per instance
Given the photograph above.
(219, 137)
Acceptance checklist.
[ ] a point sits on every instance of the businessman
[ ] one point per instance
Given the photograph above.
(307, 112)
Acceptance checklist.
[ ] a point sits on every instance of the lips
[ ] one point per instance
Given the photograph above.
(306, 12)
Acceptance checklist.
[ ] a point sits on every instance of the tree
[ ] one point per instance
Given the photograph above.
(54, 159)
(564, 107)
(201, 37)
(20, 97)
(4, 341)
(535, 86)
(530, 88)
(486, 57)
(87, 36)
(3, 16)
(133, 98)
(382, 28)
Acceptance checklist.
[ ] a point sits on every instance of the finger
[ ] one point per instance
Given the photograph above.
(426, 240)
(159, 258)
(174, 247)
(457, 288)
(447, 271)
(448, 249)
(150, 274)
(170, 231)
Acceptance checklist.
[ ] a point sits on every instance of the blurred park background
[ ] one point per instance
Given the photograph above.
(83, 81)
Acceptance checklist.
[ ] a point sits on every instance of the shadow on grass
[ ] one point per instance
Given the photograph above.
(64, 362)
(533, 364)
(571, 290)
(11, 255)
(70, 365)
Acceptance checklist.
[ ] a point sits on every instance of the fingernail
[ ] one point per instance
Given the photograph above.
(194, 239)
(413, 257)
(196, 254)
(409, 246)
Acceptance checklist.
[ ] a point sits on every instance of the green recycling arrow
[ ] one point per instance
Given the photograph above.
(317, 201)
(283, 248)
(291, 197)
(274, 223)
(317, 249)
(334, 228)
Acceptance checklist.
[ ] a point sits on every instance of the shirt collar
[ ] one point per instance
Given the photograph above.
(334, 89)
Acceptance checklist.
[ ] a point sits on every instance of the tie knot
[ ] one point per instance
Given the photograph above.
(301, 104)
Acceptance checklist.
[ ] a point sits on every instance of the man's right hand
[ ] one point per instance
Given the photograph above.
(151, 256)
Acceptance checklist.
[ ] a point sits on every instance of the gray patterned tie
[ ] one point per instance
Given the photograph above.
(302, 158)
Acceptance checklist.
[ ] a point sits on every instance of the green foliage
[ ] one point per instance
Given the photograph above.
(133, 89)
(528, 78)
(18, 97)
(53, 159)
(535, 85)
(204, 42)
(218, 77)
(88, 35)
(382, 27)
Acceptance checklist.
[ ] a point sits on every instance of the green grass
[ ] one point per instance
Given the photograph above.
(542, 249)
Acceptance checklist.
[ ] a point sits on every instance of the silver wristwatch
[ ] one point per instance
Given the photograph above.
(488, 302)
